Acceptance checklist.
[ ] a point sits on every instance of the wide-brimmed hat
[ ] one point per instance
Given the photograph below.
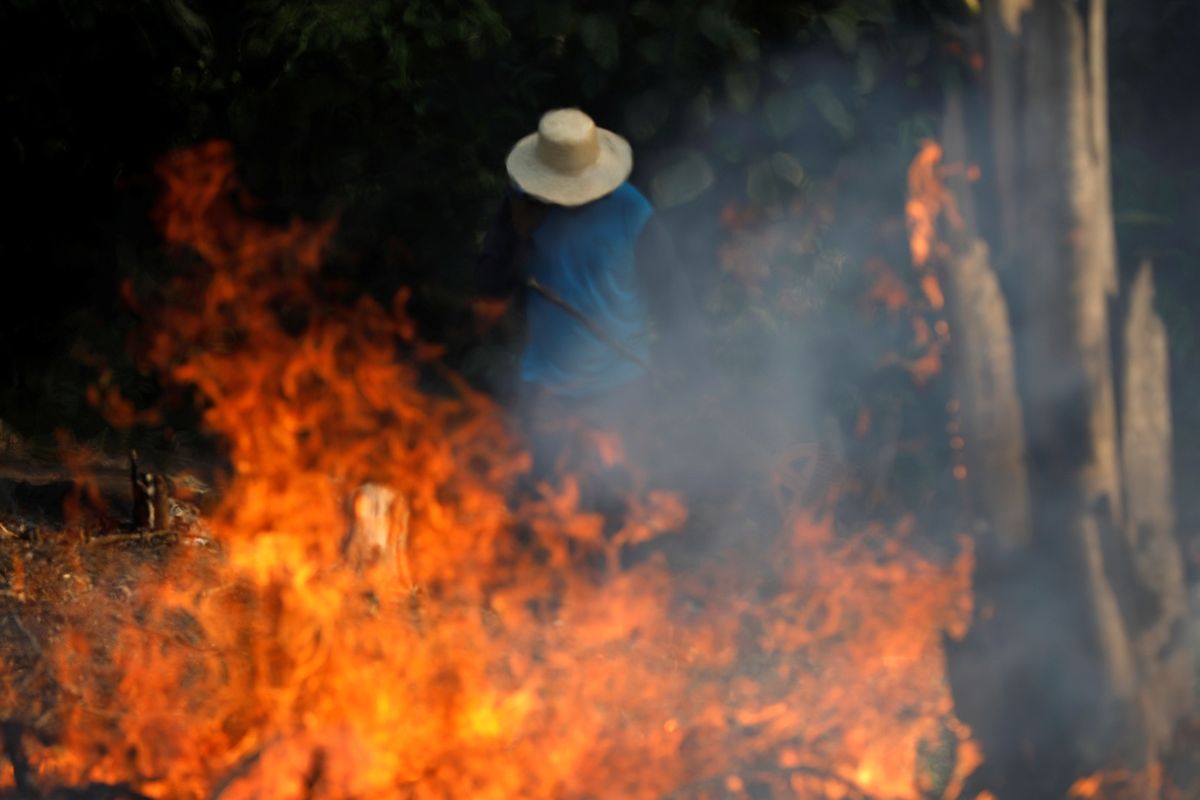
(570, 161)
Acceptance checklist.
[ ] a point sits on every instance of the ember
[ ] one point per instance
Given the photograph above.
(513, 653)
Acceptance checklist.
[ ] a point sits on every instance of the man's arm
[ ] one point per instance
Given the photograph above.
(500, 268)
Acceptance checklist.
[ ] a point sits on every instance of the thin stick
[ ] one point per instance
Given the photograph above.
(16, 618)
(14, 748)
(139, 536)
(587, 322)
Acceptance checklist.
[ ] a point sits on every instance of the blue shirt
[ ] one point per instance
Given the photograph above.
(585, 255)
(603, 259)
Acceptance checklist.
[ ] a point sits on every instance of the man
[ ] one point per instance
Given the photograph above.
(594, 262)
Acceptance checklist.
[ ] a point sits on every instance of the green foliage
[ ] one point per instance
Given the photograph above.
(772, 134)
(395, 115)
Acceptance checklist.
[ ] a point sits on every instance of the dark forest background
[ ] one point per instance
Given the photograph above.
(773, 136)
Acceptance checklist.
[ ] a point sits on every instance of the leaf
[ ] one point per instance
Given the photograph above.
(683, 179)
(787, 168)
(783, 110)
(761, 186)
(867, 69)
(654, 13)
(745, 43)
(832, 109)
(781, 68)
(916, 49)
(714, 25)
(601, 39)
(645, 114)
(914, 128)
(193, 26)
(770, 181)
(730, 148)
(844, 27)
(846, 19)
(553, 18)
(879, 12)
(741, 85)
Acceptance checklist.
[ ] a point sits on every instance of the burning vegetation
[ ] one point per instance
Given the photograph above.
(906, 522)
(508, 643)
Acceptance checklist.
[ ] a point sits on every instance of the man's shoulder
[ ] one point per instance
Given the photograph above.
(630, 194)
(633, 205)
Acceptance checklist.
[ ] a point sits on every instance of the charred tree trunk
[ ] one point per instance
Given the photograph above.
(1072, 665)
(984, 369)
(1163, 633)
(1065, 260)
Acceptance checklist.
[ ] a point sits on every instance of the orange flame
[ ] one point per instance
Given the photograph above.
(1119, 783)
(929, 201)
(522, 657)
(928, 198)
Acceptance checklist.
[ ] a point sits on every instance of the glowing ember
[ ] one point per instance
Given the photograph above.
(1119, 785)
(929, 201)
(518, 657)
(928, 198)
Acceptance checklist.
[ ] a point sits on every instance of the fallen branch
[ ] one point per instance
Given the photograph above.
(240, 770)
(98, 791)
(11, 733)
(136, 536)
(849, 789)
(147, 536)
(28, 635)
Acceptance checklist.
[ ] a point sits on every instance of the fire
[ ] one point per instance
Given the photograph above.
(929, 201)
(887, 288)
(519, 655)
(1086, 787)
(1119, 784)
(928, 198)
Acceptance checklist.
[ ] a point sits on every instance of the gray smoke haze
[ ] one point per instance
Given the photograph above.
(792, 356)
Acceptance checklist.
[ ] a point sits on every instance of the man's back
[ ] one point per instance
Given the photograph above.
(586, 256)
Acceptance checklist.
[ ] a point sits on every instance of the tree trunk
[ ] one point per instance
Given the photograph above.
(1001, 29)
(1063, 671)
(1164, 636)
(983, 365)
(1066, 261)
(378, 536)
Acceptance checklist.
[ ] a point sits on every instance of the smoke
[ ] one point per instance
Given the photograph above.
(784, 238)
(776, 211)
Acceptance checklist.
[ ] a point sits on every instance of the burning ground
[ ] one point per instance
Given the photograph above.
(520, 645)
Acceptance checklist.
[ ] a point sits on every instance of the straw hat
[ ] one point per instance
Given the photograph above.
(569, 161)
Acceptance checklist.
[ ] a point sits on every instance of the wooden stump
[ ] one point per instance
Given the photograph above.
(151, 497)
(378, 536)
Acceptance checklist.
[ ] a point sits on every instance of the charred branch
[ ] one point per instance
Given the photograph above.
(151, 497)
